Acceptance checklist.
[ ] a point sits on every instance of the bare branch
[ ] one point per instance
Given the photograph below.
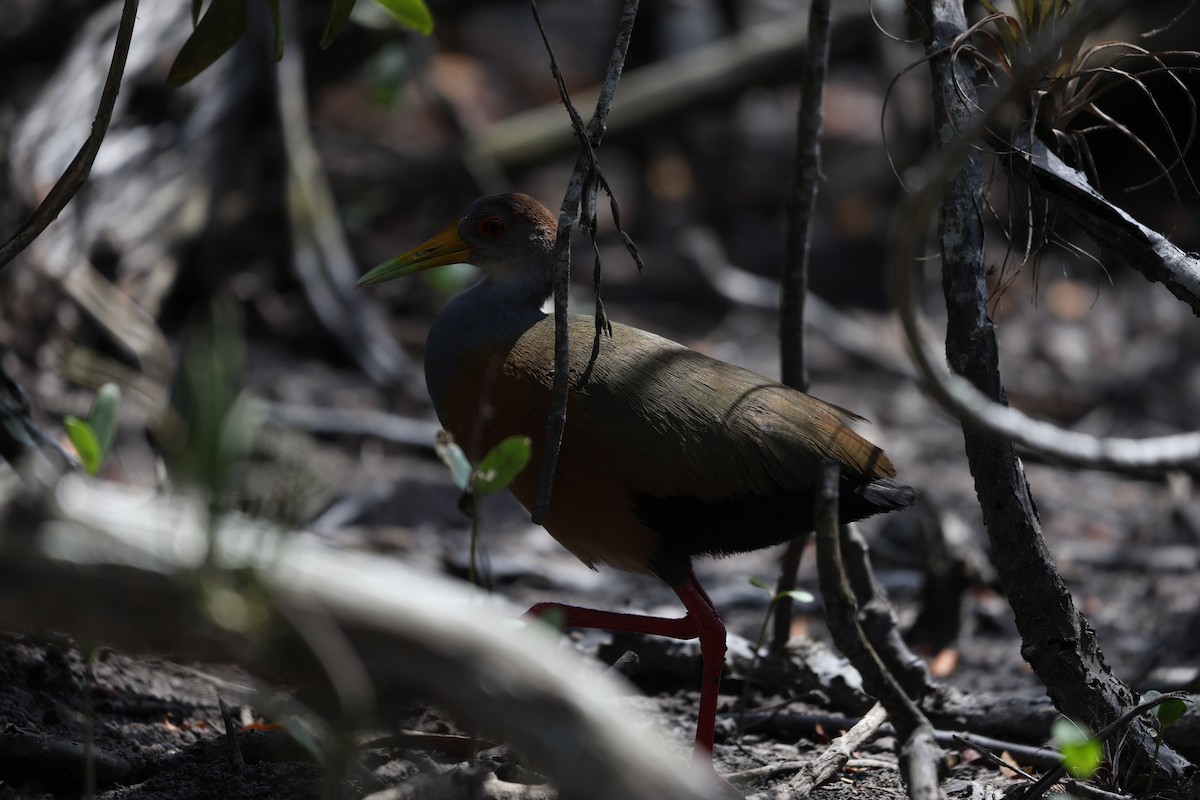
(918, 750)
(801, 208)
(819, 772)
(802, 197)
(1142, 248)
(580, 194)
(77, 172)
(977, 411)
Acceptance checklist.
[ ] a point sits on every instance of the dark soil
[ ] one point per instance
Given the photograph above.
(1126, 546)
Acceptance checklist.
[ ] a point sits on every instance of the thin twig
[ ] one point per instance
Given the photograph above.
(802, 197)
(999, 761)
(801, 208)
(877, 618)
(789, 569)
(805, 725)
(77, 172)
(581, 187)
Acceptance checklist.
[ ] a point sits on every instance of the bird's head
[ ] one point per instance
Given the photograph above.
(508, 236)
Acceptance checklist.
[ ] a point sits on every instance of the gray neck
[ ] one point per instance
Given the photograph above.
(489, 312)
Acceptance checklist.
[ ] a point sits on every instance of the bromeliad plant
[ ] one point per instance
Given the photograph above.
(1062, 102)
(1062, 80)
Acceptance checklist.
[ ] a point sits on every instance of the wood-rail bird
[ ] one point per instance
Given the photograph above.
(667, 453)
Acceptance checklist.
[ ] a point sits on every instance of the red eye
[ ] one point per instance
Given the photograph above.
(492, 227)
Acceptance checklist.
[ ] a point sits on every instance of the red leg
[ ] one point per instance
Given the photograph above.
(702, 621)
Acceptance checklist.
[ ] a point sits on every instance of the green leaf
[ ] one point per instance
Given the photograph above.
(759, 583)
(339, 12)
(103, 416)
(277, 24)
(218, 30)
(1170, 711)
(799, 595)
(501, 465)
(1081, 752)
(412, 14)
(454, 459)
(1167, 712)
(83, 438)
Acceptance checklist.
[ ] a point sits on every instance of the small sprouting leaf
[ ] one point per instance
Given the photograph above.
(759, 583)
(83, 438)
(1167, 712)
(103, 416)
(277, 23)
(501, 465)
(412, 14)
(339, 12)
(454, 459)
(218, 30)
(1081, 752)
(799, 595)
(1170, 711)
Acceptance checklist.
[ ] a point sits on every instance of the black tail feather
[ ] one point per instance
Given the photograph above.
(883, 495)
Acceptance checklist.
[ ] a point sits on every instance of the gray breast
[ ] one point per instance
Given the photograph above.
(480, 316)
